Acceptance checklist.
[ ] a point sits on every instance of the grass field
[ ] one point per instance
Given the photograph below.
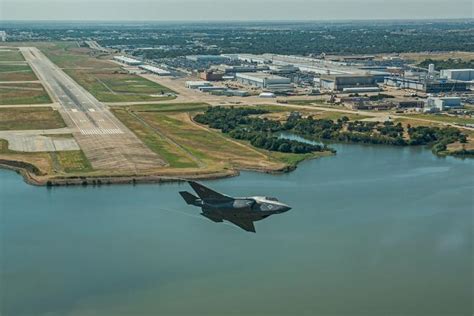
(442, 118)
(172, 154)
(168, 130)
(307, 102)
(73, 161)
(23, 93)
(7, 54)
(294, 159)
(209, 147)
(336, 115)
(106, 80)
(30, 118)
(16, 72)
(283, 114)
(439, 56)
(109, 85)
(172, 107)
(70, 55)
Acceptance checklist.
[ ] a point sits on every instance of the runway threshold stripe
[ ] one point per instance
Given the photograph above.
(101, 131)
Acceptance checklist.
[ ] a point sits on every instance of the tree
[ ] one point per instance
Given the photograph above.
(284, 147)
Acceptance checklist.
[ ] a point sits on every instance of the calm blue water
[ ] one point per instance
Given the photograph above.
(373, 231)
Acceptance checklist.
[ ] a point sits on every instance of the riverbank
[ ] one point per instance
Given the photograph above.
(34, 176)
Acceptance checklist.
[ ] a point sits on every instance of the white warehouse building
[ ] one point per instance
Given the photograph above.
(266, 81)
(434, 104)
(128, 60)
(155, 70)
(197, 84)
(207, 58)
(458, 74)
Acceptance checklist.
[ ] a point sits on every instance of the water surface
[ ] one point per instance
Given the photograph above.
(373, 231)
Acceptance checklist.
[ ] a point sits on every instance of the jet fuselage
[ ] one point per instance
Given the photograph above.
(241, 211)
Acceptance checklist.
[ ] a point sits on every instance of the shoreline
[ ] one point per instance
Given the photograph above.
(28, 173)
(34, 176)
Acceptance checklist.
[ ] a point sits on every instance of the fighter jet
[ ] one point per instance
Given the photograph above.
(242, 212)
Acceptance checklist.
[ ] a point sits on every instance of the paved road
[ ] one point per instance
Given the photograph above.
(189, 95)
(106, 142)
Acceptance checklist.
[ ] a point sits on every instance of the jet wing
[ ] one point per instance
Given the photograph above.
(207, 194)
(245, 224)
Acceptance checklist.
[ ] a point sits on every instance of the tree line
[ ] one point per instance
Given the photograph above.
(246, 124)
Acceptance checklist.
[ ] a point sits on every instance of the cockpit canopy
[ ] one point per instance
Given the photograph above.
(269, 198)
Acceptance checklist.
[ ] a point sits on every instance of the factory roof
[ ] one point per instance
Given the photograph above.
(197, 83)
(127, 59)
(260, 75)
(465, 69)
(155, 69)
(206, 57)
(446, 98)
(333, 76)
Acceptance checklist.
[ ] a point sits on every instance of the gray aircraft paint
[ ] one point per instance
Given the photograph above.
(241, 211)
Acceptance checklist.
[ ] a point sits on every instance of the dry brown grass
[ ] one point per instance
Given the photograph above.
(16, 72)
(23, 93)
(418, 57)
(30, 118)
(210, 147)
(10, 55)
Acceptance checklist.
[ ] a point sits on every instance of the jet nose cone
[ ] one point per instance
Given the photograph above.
(285, 209)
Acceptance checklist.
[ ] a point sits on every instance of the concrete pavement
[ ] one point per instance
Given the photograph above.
(39, 140)
(106, 142)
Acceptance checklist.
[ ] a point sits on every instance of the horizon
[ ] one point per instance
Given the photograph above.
(461, 19)
(233, 10)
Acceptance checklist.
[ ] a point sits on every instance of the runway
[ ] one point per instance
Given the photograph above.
(105, 141)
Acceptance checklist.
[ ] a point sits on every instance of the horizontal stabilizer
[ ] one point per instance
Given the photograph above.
(245, 224)
(189, 198)
(213, 218)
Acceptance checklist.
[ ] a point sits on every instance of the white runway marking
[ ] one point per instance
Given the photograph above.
(100, 131)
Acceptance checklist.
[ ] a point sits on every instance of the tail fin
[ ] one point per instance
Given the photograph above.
(189, 198)
(208, 194)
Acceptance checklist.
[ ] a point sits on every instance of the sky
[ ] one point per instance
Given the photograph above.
(224, 10)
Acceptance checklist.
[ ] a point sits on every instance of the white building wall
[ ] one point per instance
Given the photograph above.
(458, 74)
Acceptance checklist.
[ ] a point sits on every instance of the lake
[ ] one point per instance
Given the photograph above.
(373, 231)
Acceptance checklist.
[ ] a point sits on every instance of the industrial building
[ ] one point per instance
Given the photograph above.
(207, 58)
(344, 82)
(409, 103)
(197, 84)
(266, 81)
(128, 61)
(211, 88)
(155, 70)
(231, 93)
(426, 85)
(442, 104)
(3, 36)
(458, 74)
(286, 69)
(211, 75)
(243, 68)
(361, 89)
(267, 95)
